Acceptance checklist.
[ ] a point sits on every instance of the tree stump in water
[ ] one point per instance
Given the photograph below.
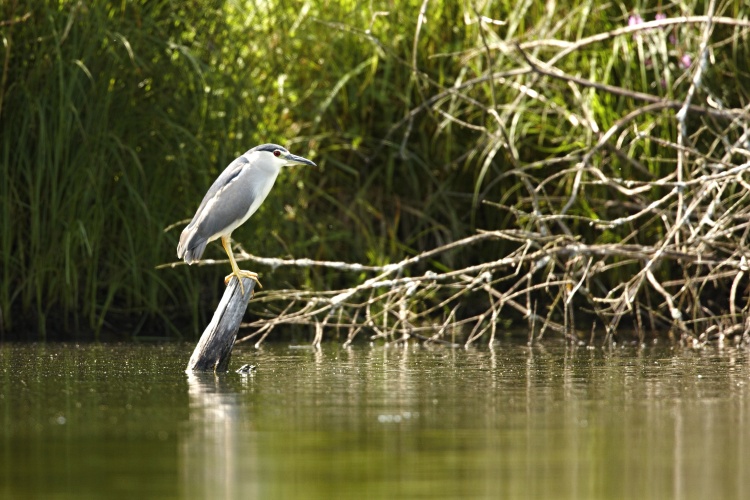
(214, 349)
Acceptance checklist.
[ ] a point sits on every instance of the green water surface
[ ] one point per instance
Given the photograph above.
(125, 421)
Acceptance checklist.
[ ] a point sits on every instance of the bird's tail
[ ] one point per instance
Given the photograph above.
(191, 246)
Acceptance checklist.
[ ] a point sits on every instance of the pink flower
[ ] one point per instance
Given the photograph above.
(660, 16)
(686, 61)
(634, 20)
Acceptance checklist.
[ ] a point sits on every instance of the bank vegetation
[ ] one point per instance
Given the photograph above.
(574, 168)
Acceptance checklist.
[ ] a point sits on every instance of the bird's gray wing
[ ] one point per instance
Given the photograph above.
(229, 173)
(195, 236)
(235, 199)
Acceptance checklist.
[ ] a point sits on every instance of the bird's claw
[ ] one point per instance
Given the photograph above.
(243, 274)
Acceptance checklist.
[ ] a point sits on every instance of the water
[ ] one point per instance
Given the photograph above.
(125, 421)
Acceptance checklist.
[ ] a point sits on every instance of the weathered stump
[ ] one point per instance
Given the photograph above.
(214, 349)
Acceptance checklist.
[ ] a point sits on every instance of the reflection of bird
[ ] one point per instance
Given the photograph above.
(233, 197)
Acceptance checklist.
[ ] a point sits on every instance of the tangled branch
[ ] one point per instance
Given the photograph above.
(662, 248)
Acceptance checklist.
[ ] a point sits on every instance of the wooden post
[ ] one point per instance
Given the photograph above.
(215, 346)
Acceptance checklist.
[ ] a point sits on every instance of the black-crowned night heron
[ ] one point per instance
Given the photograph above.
(233, 197)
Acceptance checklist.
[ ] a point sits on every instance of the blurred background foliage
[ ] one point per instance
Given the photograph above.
(115, 118)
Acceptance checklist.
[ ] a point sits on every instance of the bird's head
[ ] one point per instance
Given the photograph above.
(279, 155)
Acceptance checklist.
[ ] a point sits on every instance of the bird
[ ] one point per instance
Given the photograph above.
(234, 196)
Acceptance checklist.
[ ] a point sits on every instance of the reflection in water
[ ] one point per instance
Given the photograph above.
(212, 449)
(634, 423)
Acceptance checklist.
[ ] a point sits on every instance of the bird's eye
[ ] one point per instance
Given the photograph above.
(276, 153)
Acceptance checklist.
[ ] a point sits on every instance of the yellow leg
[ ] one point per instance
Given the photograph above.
(236, 271)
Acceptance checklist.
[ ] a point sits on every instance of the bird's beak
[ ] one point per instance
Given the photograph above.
(298, 160)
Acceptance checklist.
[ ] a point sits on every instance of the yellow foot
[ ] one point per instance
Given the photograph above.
(243, 274)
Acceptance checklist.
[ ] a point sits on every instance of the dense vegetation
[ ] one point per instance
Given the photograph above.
(429, 121)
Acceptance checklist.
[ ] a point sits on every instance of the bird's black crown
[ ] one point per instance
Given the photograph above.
(269, 147)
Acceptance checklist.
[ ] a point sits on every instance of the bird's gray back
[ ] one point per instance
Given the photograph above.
(229, 173)
(232, 199)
